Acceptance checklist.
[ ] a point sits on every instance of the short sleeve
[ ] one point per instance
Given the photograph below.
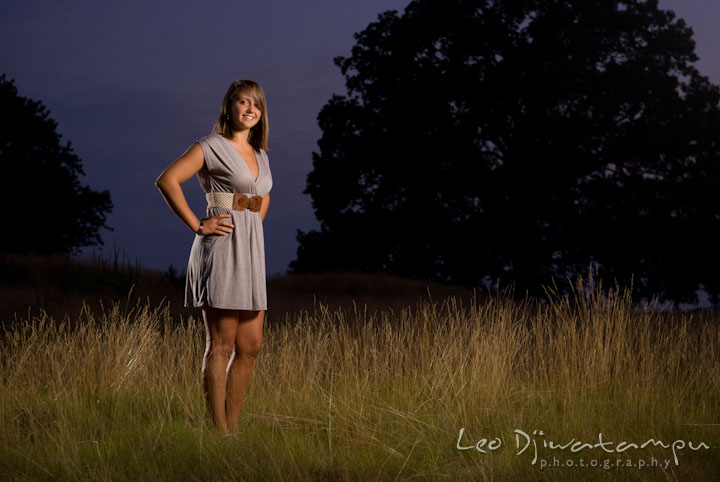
(207, 151)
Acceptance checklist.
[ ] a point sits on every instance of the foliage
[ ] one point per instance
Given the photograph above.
(484, 141)
(47, 209)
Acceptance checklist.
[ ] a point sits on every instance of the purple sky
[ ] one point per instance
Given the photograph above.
(132, 84)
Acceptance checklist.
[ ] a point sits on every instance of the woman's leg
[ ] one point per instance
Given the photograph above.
(221, 328)
(247, 346)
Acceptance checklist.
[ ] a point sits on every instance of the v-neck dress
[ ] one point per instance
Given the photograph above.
(229, 271)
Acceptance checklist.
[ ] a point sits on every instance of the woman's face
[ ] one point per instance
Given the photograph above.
(245, 113)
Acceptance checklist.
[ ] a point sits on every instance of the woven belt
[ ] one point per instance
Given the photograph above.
(233, 200)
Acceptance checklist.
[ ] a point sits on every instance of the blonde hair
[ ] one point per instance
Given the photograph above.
(258, 136)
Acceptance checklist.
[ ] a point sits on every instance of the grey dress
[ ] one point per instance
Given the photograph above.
(229, 271)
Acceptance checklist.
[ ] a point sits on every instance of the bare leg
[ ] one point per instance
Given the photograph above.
(247, 346)
(220, 334)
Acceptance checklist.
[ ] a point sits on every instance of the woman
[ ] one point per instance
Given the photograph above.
(226, 270)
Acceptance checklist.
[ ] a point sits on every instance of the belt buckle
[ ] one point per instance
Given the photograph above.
(254, 203)
(243, 201)
(239, 202)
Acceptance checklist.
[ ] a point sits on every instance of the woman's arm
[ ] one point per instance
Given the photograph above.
(182, 169)
(264, 206)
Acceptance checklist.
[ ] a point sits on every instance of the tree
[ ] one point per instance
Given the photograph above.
(485, 141)
(46, 208)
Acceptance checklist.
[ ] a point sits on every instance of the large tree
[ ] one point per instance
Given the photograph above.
(45, 206)
(512, 141)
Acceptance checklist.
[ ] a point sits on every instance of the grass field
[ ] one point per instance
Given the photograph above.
(370, 392)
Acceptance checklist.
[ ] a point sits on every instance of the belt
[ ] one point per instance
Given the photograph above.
(233, 200)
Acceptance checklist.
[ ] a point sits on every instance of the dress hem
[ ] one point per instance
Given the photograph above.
(225, 307)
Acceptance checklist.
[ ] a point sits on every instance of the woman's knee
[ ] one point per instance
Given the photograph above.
(220, 331)
(222, 346)
(249, 346)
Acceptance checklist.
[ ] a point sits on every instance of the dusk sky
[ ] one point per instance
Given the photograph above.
(133, 84)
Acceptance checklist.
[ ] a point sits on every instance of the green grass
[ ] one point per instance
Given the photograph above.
(364, 393)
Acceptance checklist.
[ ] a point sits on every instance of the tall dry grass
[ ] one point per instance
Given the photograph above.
(361, 394)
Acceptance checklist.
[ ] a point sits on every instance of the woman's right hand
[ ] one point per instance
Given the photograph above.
(216, 225)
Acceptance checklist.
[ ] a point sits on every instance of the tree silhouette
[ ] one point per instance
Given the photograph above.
(485, 141)
(46, 208)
